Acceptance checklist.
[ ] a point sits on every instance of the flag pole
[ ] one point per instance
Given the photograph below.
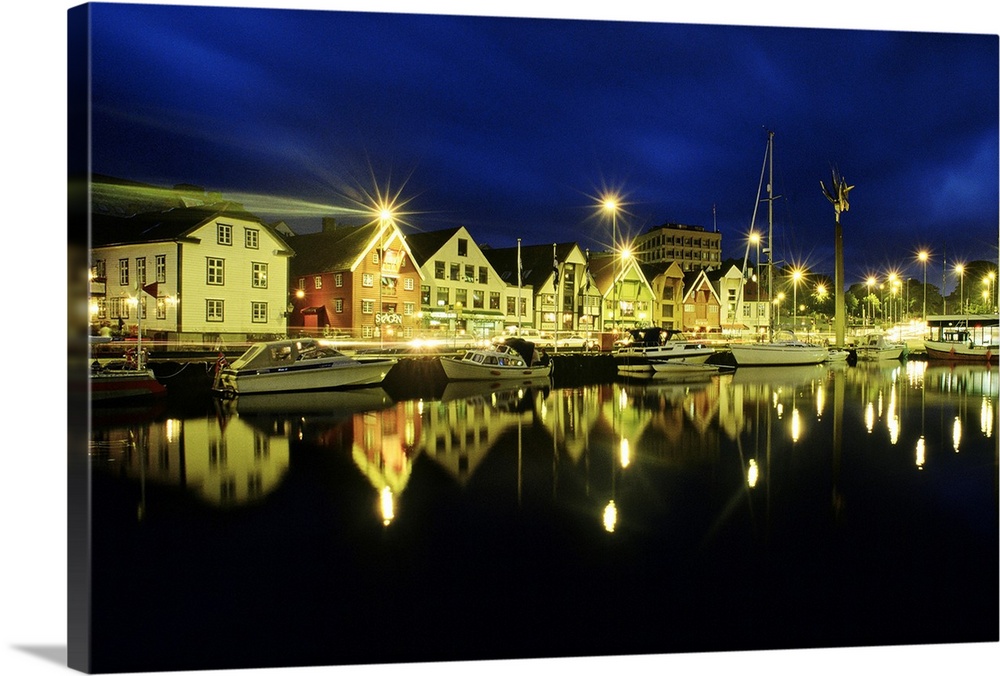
(518, 286)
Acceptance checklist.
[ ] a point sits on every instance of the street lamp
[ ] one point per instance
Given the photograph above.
(611, 205)
(871, 307)
(796, 277)
(960, 270)
(923, 256)
(755, 240)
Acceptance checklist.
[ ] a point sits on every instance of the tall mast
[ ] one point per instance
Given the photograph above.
(770, 227)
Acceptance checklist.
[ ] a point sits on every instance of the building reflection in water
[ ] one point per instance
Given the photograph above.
(599, 438)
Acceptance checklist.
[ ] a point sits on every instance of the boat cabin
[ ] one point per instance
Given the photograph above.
(283, 353)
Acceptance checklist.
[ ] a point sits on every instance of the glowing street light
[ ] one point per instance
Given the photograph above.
(610, 205)
(960, 271)
(755, 240)
(796, 278)
(922, 257)
(871, 308)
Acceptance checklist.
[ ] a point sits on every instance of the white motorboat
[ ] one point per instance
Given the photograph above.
(655, 344)
(786, 352)
(512, 360)
(297, 365)
(875, 346)
(836, 354)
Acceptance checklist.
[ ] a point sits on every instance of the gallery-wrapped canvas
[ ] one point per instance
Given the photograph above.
(283, 222)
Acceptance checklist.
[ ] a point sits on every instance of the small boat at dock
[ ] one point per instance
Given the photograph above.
(123, 380)
(654, 344)
(511, 360)
(297, 365)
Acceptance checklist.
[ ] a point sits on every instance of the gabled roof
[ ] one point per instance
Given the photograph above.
(693, 281)
(331, 250)
(163, 226)
(536, 262)
(424, 245)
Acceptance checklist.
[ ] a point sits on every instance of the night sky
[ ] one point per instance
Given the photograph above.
(515, 127)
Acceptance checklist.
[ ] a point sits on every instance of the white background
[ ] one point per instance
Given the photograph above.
(33, 461)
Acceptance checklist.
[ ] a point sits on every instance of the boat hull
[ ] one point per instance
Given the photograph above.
(776, 354)
(314, 376)
(636, 362)
(115, 385)
(458, 369)
(961, 352)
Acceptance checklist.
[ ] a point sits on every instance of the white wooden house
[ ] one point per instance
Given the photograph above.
(210, 273)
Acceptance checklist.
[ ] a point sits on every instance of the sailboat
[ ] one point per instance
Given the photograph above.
(785, 350)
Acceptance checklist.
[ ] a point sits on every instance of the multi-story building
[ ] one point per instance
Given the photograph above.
(362, 280)
(691, 246)
(627, 297)
(462, 297)
(196, 274)
(667, 282)
(701, 305)
(564, 298)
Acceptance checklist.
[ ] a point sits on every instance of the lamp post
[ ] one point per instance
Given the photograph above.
(796, 276)
(871, 307)
(611, 205)
(755, 240)
(923, 256)
(960, 270)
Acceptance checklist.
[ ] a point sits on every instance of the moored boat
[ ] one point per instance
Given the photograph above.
(297, 365)
(964, 338)
(655, 344)
(876, 346)
(785, 352)
(124, 380)
(512, 360)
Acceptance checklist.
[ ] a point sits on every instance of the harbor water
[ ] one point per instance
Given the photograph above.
(766, 508)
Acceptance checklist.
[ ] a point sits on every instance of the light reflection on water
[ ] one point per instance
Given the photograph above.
(864, 465)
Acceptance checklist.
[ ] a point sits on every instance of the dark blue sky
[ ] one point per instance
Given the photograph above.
(514, 126)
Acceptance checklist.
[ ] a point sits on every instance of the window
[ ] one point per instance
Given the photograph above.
(161, 308)
(161, 268)
(367, 307)
(123, 271)
(443, 296)
(317, 282)
(216, 272)
(477, 299)
(100, 269)
(338, 305)
(214, 310)
(259, 275)
(225, 234)
(258, 312)
(408, 284)
(408, 309)
(302, 283)
(483, 276)
(455, 271)
(338, 280)
(438, 269)
(494, 300)
(462, 296)
(470, 273)
(368, 280)
(251, 239)
(667, 310)
(511, 305)
(140, 269)
(425, 295)
(375, 257)
(463, 247)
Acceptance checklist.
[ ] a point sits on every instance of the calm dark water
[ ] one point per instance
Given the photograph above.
(770, 508)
